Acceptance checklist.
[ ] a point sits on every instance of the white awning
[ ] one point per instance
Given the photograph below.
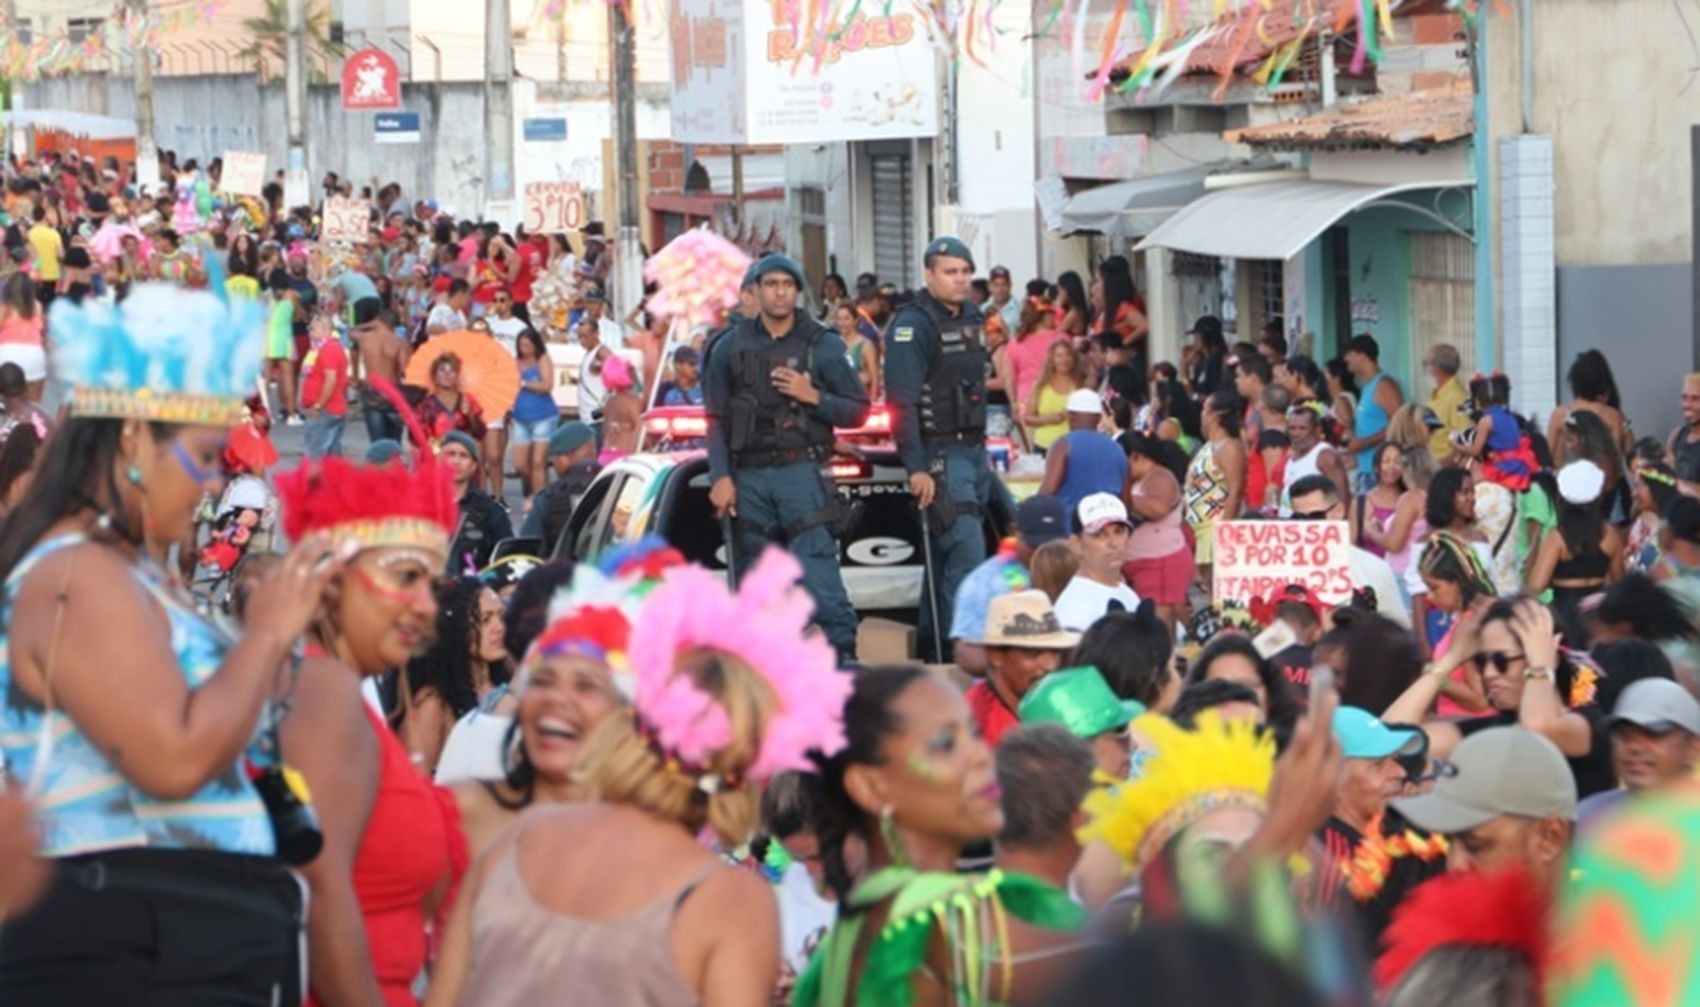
(1274, 220)
(1134, 208)
(95, 127)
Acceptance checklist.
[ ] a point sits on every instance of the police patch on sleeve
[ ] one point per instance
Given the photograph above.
(904, 334)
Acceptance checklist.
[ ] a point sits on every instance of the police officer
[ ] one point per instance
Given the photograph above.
(775, 385)
(935, 382)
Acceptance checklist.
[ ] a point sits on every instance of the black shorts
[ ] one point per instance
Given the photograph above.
(152, 928)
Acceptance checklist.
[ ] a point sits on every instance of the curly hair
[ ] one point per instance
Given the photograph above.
(447, 666)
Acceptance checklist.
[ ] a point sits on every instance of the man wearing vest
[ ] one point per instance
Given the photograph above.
(775, 386)
(935, 381)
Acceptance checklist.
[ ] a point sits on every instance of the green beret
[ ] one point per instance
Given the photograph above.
(953, 247)
(775, 262)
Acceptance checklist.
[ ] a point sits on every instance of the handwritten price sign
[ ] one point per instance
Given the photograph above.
(244, 172)
(1255, 559)
(553, 207)
(345, 219)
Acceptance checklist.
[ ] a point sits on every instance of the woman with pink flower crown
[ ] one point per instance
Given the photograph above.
(729, 689)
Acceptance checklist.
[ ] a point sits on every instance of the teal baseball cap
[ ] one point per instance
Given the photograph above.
(951, 246)
(1080, 700)
(1363, 736)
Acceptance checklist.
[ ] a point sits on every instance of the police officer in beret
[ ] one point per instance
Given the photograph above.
(775, 386)
(935, 382)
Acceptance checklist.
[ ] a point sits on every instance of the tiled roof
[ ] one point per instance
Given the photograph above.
(1418, 120)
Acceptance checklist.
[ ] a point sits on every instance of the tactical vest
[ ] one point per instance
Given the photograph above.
(953, 400)
(766, 427)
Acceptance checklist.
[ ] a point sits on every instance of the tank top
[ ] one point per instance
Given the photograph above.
(1371, 420)
(404, 853)
(1206, 490)
(1096, 464)
(533, 407)
(1157, 539)
(1298, 467)
(83, 804)
(1050, 403)
(1381, 518)
(524, 953)
(1685, 458)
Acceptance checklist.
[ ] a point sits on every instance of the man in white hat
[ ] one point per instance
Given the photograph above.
(1083, 461)
(1655, 744)
(1023, 643)
(1101, 528)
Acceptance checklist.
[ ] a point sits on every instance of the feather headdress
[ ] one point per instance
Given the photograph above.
(764, 625)
(1506, 909)
(1218, 764)
(593, 615)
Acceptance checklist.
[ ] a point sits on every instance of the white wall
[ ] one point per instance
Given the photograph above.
(995, 142)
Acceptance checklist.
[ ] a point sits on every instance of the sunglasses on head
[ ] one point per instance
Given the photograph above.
(1498, 660)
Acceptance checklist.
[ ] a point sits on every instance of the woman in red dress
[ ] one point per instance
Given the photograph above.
(388, 832)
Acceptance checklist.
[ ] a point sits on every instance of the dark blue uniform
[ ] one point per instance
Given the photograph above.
(774, 448)
(935, 381)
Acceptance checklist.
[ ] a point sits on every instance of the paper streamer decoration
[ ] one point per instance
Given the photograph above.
(124, 32)
(699, 274)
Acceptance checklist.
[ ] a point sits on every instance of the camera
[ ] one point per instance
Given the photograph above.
(295, 826)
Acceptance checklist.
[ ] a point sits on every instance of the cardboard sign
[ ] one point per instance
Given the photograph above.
(553, 207)
(345, 220)
(244, 172)
(1256, 559)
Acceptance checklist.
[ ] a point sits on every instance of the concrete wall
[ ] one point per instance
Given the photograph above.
(202, 117)
(1593, 303)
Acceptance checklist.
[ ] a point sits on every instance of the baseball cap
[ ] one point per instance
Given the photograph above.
(953, 247)
(1498, 771)
(1040, 519)
(1085, 401)
(1364, 343)
(1581, 482)
(998, 271)
(1080, 700)
(1363, 736)
(1657, 704)
(1099, 510)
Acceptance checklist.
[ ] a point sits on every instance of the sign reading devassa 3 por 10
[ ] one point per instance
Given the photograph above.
(1256, 559)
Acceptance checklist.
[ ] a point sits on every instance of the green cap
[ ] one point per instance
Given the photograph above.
(951, 246)
(774, 262)
(1080, 700)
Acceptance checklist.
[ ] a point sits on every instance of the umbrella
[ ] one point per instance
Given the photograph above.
(488, 372)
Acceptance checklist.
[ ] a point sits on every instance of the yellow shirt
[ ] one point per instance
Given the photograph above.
(243, 286)
(49, 250)
(1051, 403)
(1449, 403)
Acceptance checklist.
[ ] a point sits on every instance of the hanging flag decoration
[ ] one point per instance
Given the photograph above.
(126, 31)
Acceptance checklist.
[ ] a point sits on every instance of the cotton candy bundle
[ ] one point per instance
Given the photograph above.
(699, 274)
(551, 299)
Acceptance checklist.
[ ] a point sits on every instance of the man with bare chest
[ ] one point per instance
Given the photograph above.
(381, 354)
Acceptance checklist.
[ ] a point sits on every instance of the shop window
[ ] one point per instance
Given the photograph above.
(1443, 295)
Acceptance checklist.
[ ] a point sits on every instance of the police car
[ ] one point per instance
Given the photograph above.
(664, 491)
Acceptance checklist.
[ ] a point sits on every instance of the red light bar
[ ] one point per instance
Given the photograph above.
(691, 422)
(850, 468)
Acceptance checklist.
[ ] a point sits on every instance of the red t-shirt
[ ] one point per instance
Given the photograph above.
(530, 263)
(990, 713)
(328, 359)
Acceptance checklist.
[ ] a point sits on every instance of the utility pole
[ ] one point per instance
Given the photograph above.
(628, 250)
(498, 102)
(296, 191)
(141, 58)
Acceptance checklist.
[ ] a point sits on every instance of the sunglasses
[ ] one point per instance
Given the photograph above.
(1498, 660)
(1312, 515)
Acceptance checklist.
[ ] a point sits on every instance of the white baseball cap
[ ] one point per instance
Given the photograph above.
(1099, 510)
(1085, 400)
(1657, 704)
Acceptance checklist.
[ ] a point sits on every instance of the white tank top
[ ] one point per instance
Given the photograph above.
(1298, 468)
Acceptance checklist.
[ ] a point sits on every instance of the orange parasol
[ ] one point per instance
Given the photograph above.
(488, 372)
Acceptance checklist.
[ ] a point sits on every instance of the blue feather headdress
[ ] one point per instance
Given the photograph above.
(164, 353)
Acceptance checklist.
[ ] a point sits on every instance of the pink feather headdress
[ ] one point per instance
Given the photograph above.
(764, 625)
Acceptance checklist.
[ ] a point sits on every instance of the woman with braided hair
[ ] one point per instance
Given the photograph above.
(1455, 578)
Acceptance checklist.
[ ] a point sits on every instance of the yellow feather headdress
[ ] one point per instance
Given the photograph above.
(1218, 764)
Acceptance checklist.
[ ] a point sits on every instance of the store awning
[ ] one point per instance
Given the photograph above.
(1134, 208)
(1274, 220)
(95, 127)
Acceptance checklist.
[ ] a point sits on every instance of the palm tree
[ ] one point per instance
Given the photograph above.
(270, 30)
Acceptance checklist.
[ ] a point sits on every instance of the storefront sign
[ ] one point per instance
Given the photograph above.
(395, 127)
(1256, 559)
(552, 129)
(370, 79)
(744, 73)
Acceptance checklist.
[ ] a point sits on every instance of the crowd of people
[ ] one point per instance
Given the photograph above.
(386, 762)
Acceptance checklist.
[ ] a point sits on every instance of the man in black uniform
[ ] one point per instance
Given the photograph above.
(775, 386)
(935, 381)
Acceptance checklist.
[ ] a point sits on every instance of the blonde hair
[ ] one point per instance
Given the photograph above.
(1419, 468)
(620, 765)
(1053, 565)
(1077, 369)
(1406, 428)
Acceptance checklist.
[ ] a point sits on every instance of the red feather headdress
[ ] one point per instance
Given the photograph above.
(1507, 909)
(377, 505)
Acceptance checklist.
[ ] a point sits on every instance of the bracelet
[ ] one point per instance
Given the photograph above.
(1538, 673)
(1436, 669)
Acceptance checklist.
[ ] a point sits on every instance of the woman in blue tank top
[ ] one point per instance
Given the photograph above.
(129, 719)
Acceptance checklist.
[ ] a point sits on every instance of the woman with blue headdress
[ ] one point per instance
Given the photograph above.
(137, 727)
